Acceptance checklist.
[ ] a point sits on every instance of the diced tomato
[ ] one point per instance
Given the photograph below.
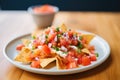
(72, 65)
(91, 47)
(74, 42)
(64, 42)
(20, 46)
(46, 49)
(79, 58)
(51, 37)
(84, 41)
(72, 53)
(69, 58)
(47, 31)
(37, 52)
(36, 43)
(70, 41)
(86, 61)
(58, 44)
(70, 33)
(93, 58)
(35, 64)
(32, 56)
(54, 43)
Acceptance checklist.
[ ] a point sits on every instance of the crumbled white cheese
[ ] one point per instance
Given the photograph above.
(49, 45)
(39, 47)
(59, 53)
(74, 47)
(55, 39)
(64, 48)
(30, 46)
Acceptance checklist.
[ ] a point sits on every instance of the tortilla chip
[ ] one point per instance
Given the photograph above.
(26, 42)
(88, 37)
(44, 62)
(22, 56)
(63, 27)
(85, 50)
(59, 63)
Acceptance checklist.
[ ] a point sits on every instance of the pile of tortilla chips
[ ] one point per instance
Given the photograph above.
(44, 62)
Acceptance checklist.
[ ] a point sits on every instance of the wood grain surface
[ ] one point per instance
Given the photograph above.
(105, 24)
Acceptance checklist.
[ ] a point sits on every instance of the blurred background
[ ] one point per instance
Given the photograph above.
(64, 5)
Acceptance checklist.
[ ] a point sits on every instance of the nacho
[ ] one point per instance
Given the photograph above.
(46, 61)
(88, 37)
(63, 27)
(26, 42)
(22, 56)
(85, 50)
(68, 48)
(60, 63)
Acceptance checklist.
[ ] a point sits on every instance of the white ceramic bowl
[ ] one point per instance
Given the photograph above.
(43, 20)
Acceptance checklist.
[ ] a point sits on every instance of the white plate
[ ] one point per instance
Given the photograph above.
(100, 44)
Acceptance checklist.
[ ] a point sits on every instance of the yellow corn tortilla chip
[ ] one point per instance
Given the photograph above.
(63, 27)
(88, 37)
(22, 56)
(85, 50)
(44, 62)
(59, 63)
(26, 42)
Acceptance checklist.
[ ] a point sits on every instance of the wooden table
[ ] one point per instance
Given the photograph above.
(107, 25)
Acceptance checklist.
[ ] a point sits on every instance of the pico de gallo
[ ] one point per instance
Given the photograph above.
(73, 48)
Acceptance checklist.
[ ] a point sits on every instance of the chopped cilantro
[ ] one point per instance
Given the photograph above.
(33, 47)
(80, 37)
(46, 36)
(80, 45)
(78, 50)
(33, 37)
(46, 41)
(57, 29)
(56, 48)
(58, 35)
(97, 55)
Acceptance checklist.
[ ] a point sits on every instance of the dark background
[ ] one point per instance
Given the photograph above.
(64, 5)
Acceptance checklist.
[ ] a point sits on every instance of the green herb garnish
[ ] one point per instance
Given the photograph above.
(56, 48)
(33, 47)
(33, 37)
(78, 50)
(57, 29)
(58, 35)
(46, 36)
(80, 45)
(80, 37)
(97, 55)
(46, 42)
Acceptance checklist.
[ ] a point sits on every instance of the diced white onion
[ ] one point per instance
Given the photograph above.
(36, 58)
(39, 47)
(55, 39)
(59, 53)
(30, 46)
(64, 48)
(74, 47)
(50, 45)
